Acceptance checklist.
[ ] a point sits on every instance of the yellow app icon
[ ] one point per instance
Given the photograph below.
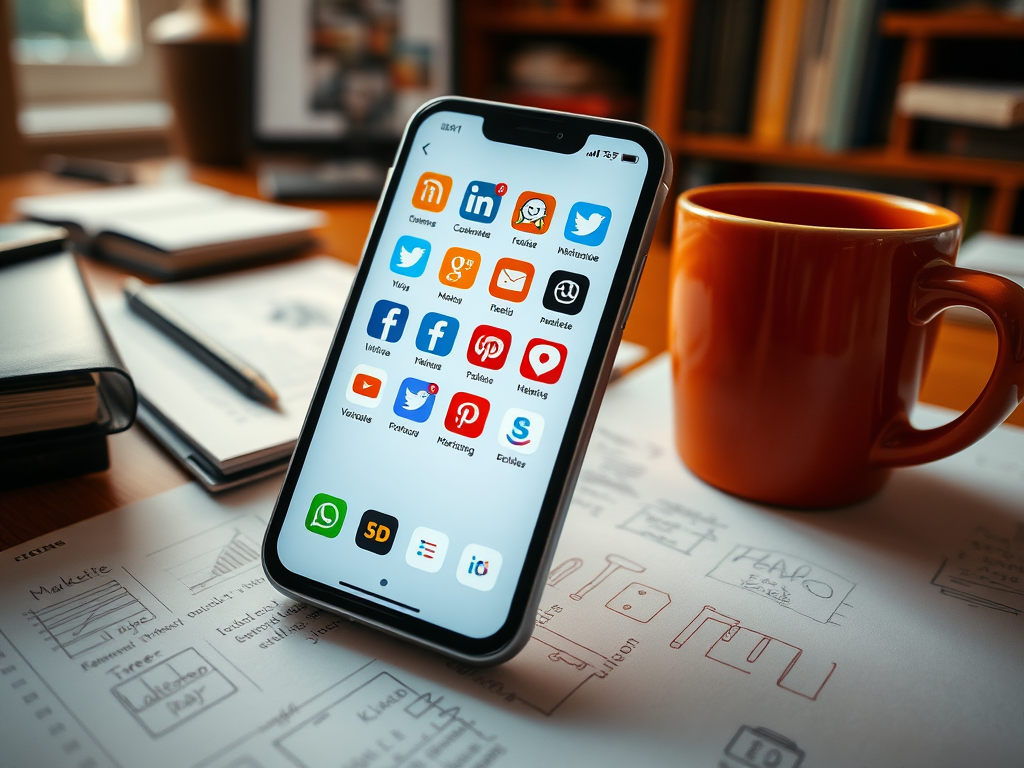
(459, 268)
(431, 192)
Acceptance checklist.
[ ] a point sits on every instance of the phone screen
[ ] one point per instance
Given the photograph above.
(425, 474)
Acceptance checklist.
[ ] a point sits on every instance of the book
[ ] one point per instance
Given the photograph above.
(853, 37)
(279, 319)
(63, 387)
(175, 230)
(819, 38)
(991, 105)
(777, 70)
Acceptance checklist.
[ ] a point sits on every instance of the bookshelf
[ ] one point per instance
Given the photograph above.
(490, 32)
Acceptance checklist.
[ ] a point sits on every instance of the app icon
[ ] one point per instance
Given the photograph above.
(481, 201)
(588, 223)
(566, 292)
(410, 256)
(326, 515)
(431, 192)
(437, 333)
(366, 385)
(427, 550)
(479, 567)
(415, 399)
(511, 279)
(521, 430)
(488, 347)
(459, 268)
(467, 414)
(543, 361)
(387, 321)
(376, 532)
(533, 213)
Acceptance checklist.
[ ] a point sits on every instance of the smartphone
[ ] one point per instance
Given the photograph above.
(439, 455)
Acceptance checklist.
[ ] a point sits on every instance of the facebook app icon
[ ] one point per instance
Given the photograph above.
(437, 334)
(387, 321)
(481, 202)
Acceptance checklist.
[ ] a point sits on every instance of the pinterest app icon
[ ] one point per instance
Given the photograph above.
(488, 347)
(543, 361)
(467, 415)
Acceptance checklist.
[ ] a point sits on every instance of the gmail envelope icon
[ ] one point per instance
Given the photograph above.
(511, 279)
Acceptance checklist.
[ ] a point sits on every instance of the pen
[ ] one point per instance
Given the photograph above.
(230, 367)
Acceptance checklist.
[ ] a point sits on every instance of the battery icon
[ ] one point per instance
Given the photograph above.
(630, 159)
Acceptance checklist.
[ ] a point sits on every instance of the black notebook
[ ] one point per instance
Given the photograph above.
(63, 387)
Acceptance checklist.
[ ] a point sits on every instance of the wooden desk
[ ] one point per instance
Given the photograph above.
(139, 468)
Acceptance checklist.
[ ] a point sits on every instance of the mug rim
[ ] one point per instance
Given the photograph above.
(953, 220)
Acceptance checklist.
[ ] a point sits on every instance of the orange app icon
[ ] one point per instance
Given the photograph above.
(533, 213)
(511, 279)
(432, 192)
(459, 268)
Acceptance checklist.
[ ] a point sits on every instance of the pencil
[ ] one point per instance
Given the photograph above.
(227, 365)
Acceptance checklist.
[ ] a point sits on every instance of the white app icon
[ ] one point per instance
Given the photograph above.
(427, 550)
(366, 387)
(585, 226)
(407, 258)
(479, 567)
(521, 430)
(512, 279)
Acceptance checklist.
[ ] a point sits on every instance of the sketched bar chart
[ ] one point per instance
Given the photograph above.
(178, 689)
(223, 555)
(86, 621)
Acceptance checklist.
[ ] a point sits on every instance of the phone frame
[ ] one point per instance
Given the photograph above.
(542, 129)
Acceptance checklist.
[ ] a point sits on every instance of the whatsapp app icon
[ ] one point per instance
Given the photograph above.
(326, 514)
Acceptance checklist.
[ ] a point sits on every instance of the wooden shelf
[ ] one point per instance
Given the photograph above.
(874, 162)
(564, 21)
(961, 24)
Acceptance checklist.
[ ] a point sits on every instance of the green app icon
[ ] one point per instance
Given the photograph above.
(326, 514)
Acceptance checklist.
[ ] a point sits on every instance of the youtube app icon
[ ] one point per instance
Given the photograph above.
(366, 386)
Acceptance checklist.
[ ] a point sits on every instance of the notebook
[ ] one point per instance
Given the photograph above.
(175, 230)
(279, 319)
(63, 387)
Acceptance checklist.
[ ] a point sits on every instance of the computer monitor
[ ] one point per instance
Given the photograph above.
(340, 78)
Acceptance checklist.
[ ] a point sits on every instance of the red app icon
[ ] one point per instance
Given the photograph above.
(488, 347)
(466, 415)
(365, 385)
(543, 361)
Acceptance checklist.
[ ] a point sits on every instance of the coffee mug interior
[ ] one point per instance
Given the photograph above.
(820, 207)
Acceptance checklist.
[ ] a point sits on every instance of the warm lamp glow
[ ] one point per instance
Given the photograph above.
(110, 25)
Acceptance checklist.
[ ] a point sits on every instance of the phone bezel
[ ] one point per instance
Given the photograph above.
(511, 636)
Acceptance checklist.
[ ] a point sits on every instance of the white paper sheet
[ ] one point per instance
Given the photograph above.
(279, 319)
(681, 627)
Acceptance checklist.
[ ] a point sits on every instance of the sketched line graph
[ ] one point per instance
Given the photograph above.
(81, 623)
(213, 557)
(673, 526)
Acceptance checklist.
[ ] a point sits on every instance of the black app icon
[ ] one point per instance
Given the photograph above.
(376, 532)
(566, 292)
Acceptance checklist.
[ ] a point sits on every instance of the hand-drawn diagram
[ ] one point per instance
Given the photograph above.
(561, 571)
(790, 581)
(673, 526)
(613, 563)
(748, 651)
(761, 748)
(88, 620)
(395, 724)
(173, 691)
(639, 602)
(214, 556)
(609, 477)
(988, 572)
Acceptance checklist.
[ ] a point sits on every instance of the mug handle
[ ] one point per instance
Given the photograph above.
(940, 286)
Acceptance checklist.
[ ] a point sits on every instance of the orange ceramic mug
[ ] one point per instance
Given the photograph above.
(800, 325)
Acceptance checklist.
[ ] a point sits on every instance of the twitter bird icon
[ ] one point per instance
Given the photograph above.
(415, 399)
(588, 223)
(410, 256)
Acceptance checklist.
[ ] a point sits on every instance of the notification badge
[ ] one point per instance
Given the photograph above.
(543, 361)
(488, 347)
(467, 414)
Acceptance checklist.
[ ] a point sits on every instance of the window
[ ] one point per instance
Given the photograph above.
(77, 32)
